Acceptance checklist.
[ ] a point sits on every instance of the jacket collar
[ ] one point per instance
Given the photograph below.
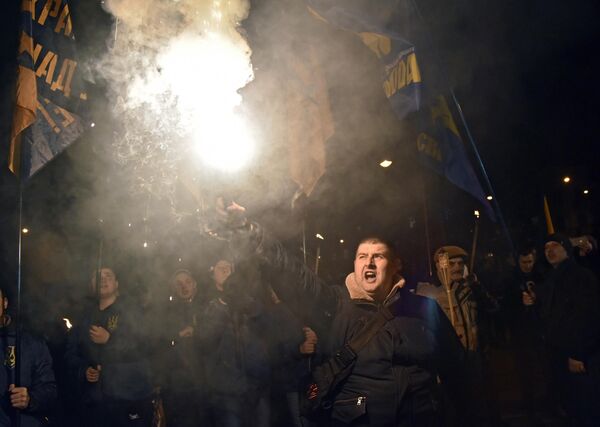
(358, 293)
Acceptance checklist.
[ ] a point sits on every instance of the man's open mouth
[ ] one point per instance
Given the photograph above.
(370, 276)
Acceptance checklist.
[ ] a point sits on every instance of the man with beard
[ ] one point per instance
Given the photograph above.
(460, 296)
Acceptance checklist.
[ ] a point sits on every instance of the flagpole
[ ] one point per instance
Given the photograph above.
(304, 240)
(495, 202)
(426, 223)
(474, 245)
(18, 334)
(99, 269)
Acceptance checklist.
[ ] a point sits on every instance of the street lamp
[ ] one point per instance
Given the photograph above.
(567, 179)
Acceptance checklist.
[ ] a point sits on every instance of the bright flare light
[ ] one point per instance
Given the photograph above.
(567, 179)
(586, 191)
(490, 198)
(25, 230)
(225, 143)
(205, 87)
(385, 163)
(318, 236)
(476, 213)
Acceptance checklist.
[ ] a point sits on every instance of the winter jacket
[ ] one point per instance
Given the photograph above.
(179, 359)
(237, 343)
(393, 382)
(569, 308)
(36, 374)
(124, 359)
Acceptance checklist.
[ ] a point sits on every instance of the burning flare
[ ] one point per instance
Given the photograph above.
(174, 74)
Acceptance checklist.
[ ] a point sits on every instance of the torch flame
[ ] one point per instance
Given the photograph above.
(68, 323)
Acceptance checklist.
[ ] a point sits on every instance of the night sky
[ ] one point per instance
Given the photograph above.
(525, 74)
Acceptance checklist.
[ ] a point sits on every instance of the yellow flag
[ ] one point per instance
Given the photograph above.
(549, 225)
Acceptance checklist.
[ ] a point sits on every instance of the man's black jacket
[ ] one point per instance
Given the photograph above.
(36, 374)
(569, 307)
(393, 382)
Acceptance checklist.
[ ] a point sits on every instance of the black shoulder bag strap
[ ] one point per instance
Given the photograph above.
(327, 376)
(347, 354)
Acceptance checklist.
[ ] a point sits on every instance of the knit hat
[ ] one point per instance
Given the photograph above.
(452, 251)
(561, 239)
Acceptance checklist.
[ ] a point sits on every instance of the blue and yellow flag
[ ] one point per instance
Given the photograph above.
(378, 27)
(442, 149)
(49, 89)
(389, 28)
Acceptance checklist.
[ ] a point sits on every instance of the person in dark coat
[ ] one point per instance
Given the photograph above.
(236, 330)
(568, 303)
(531, 360)
(179, 359)
(108, 359)
(394, 379)
(35, 396)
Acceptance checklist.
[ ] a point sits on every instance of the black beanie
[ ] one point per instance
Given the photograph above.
(564, 241)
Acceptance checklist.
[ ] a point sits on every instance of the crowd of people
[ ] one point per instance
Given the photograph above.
(267, 342)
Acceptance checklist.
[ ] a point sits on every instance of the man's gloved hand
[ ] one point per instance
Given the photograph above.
(228, 217)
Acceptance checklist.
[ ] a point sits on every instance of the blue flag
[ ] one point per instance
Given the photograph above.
(388, 28)
(50, 97)
(442, 149)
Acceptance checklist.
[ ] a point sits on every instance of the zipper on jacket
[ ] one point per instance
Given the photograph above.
(358, 401)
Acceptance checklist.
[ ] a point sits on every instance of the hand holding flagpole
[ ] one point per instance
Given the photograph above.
(444, 263)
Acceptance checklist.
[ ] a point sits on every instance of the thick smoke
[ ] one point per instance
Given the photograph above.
(173, 73)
